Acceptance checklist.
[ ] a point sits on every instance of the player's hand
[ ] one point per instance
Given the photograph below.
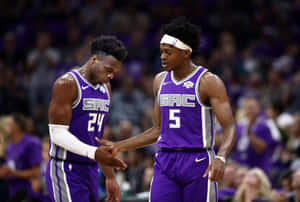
(109, 146)
(106, 158)
(113, 190)
(217, 168)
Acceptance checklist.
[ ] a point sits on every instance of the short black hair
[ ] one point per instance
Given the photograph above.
(109, 45)
(20, 120)
(183, 30)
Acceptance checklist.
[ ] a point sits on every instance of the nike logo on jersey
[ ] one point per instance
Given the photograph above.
(84, 87)
(166, 83)
(199, 160)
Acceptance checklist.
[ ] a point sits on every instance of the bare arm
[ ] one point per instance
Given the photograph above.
(112, 188)
(218, 140)
(108, 171)
(151, 135)
(258, 145)
(30, 173)
(22, 174)
(213, 90)
(64, 93)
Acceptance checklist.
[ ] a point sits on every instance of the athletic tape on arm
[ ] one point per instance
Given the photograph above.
(61, 136)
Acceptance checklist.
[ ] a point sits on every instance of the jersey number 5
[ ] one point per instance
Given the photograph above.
(175, 119)
(95, 117)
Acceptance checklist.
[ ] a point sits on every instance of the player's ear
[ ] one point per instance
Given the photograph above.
(186, 53)
(94, 59)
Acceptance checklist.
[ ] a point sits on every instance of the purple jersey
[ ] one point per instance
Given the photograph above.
(89, 115)
(185, 121)
(244, 152)
(22, 156)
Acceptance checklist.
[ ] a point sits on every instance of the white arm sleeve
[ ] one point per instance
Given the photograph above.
(61, 136)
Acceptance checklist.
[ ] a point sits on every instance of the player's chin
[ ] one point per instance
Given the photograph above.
(166, 68)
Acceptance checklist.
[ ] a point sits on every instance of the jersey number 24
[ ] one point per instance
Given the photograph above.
(95, 119)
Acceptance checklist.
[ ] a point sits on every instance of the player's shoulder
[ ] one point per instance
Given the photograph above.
(159, 77)
(65, 82)
(211, 80)
(211, 85)
(157, 81)
(65, 87)
(65, 79)
(210, 77)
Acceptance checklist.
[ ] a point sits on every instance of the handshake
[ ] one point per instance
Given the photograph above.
(106, 154)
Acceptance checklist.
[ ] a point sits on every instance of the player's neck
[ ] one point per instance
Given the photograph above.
(85, 72)
(17, 137)
(184, 70)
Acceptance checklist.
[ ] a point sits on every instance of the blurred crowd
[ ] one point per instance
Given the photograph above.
(252, 45)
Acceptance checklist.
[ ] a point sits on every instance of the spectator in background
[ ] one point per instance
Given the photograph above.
(293, 143)
(23, 158)
(12, 91)
(240, 174)
(294, 105)
(3, 144)
(233, 178)
(227, 186)
(290, 156)
(126, 130)
(255, 187)
(11, 55)
(3, 140)
(126, 104)
(286, 181)
(73, 43)
(278, 196)
(275, 83)
(41, 182)
(285, 63)
(257, 138)
(135, 171)
(229, 175)
(42, 61)
(296, 187)
(108, 133)
(121, 177)
(284, 191)
(147, 178)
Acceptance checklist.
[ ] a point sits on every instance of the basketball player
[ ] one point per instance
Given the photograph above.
(77, 115)
(187, 100)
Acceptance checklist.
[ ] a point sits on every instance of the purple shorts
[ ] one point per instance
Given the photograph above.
(74, 182)
(178, 177)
